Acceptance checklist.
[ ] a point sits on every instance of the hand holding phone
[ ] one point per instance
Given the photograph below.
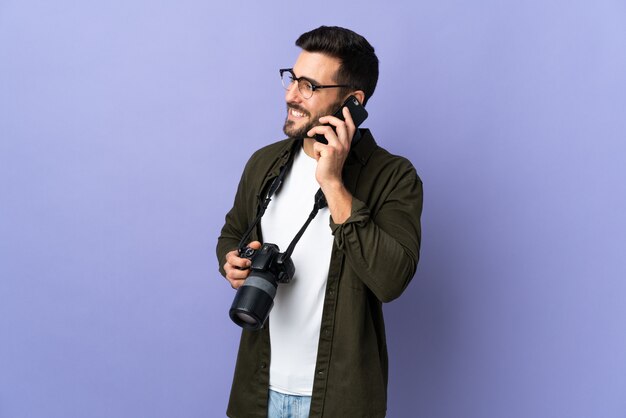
(357, 111)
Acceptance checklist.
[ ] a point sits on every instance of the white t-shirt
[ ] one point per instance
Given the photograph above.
(296, 317)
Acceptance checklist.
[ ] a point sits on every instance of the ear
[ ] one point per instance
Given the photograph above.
(360, 95)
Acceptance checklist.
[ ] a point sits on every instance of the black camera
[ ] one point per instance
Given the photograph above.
(255, 298)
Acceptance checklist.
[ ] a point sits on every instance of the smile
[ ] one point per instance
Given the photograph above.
(296, 113)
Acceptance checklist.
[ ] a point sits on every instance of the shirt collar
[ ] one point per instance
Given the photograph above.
(362, 150)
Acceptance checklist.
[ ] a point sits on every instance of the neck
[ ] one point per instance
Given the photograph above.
(307, 145)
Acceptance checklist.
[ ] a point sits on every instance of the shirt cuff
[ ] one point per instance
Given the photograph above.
(359, 216)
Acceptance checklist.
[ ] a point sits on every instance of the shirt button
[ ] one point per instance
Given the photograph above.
(326, 332)
(263, 365)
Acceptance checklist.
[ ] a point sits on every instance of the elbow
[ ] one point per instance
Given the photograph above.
(392, 293)
(395, 283)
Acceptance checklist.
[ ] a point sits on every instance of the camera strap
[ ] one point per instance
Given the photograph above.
(319, 203)
(278, 181)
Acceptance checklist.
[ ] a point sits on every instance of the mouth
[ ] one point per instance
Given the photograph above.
(295, 113)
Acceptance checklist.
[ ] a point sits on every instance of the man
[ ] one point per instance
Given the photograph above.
(322, 353)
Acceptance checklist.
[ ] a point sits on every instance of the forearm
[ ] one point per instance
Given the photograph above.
(339, 201)
(226, 242)
(235, 225)
(383, 250)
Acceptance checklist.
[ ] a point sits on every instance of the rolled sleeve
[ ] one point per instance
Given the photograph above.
(383, 249)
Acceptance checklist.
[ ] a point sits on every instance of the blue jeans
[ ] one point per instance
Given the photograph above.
(288, 406)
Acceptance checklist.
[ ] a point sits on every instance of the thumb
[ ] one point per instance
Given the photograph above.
(255, 244)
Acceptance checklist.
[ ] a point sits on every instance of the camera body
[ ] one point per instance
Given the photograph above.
(269, 258)
(255, 298)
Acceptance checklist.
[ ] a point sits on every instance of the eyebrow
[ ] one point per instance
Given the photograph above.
(313, 81)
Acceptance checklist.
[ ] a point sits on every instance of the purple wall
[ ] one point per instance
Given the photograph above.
(124, 127)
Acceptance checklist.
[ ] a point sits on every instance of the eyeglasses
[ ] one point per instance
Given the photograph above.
(305, 86)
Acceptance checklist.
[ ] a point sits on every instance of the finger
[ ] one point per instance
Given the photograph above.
(255, 245)
(349, 122)
(235, 284)
(344, 128)
(343, 134)
(325, 130)
(318, 148)
(236, 272)
(233, 259)
(341, 126)
(337, 138)
(235, 276)
(332, 120)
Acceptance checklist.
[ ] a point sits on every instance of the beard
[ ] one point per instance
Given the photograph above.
(291, 130)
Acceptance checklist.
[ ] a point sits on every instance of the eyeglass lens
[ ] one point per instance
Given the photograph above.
(304, 86)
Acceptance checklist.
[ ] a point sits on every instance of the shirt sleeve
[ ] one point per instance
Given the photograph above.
(383, 248)
(236, 223)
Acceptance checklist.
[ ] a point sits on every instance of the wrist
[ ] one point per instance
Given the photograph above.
(339, 201)
(332, 186)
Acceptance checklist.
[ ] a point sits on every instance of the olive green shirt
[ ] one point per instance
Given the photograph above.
(374, 257)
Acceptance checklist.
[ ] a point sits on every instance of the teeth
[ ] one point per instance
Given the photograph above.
(296, 113)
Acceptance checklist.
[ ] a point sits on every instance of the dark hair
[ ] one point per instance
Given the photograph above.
(359, 63)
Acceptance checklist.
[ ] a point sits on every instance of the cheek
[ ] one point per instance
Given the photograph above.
(319, 109)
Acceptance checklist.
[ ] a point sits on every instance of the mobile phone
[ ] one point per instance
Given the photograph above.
(357, 111)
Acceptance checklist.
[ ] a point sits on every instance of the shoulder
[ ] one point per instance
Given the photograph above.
(266, 157)
(392, 165)
(273, 149)
(381, 163)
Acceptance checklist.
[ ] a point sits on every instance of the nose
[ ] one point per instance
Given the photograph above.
(292, 94)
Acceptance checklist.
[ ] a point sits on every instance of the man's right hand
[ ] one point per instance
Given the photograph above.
(237, 269)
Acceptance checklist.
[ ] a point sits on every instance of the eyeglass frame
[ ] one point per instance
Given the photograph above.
(313, 85)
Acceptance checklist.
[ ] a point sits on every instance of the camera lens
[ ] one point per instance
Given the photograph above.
(245, 318)
(254, 300)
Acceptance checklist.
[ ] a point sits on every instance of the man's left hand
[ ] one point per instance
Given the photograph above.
(330, 160)
(332, 156)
